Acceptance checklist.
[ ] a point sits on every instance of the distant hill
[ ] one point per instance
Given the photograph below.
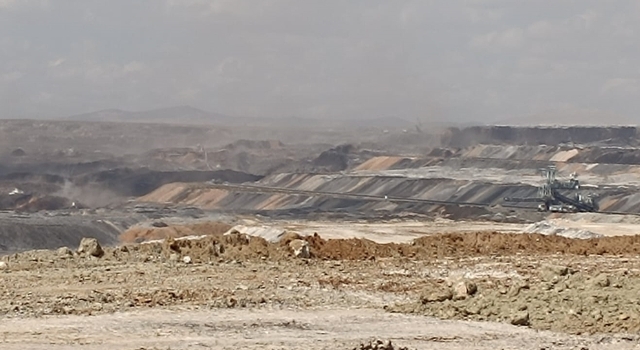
(172, 115)
(362, 123)
(384, 122)
(571, 117)
(192, 115)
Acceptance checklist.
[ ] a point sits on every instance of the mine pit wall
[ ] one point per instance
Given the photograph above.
(582, 154)
(509, 135)
(493, 166)
(469, 192)
(502, 157)
(45, 191)
(41, 232)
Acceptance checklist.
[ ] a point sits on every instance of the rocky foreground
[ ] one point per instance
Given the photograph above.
(587, 290)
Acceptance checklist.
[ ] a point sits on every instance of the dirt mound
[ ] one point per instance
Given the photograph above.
(213, 247)
(449, 245)
(379, 344)
(335, 159)
(557, 298)
(141, 234)
(473, 244)
(425, 248)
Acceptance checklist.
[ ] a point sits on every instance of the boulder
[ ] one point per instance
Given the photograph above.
(602, 281)
(436, 296)
(64, 252)
(554, 270)
(464, 289)
(91, 247)
(300, 248)
(379, 344)
(520, 319)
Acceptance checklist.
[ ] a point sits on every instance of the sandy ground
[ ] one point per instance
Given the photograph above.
(606, 225)
(399, 231)
(278, 329)
(406, 231)
(603, 228)
(234, 292)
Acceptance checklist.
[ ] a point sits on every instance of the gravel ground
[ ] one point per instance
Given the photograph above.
(235, 292)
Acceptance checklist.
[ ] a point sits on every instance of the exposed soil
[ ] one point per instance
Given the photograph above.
(273, 329)
(428, 247)
(580, 299)
(160, 230)
(558, 289)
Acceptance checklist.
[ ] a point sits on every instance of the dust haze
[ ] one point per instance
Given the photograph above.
(459, 61)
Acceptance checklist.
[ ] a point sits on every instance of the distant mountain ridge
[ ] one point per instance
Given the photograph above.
(192, 115)
(571, 117)
(177, 115)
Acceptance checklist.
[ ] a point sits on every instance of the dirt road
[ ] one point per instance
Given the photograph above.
(278, 329)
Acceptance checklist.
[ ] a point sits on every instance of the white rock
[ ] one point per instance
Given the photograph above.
(186, 260)
(550, 229)
(64, 252)
(464, 289)
(91, 247)
(300, 248)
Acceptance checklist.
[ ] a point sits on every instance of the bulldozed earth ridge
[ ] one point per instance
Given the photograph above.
(547, 283)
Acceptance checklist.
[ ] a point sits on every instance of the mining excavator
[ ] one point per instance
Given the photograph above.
(552, 199)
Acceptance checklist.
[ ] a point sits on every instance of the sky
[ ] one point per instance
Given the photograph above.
(462, 60)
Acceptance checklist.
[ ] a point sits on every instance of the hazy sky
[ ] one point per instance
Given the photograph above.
(464, 60)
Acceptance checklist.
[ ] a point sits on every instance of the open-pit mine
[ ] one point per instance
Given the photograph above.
(160, 236)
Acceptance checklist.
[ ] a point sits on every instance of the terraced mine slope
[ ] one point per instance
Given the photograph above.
(403, 192)
(480, 174)
(538, 135)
